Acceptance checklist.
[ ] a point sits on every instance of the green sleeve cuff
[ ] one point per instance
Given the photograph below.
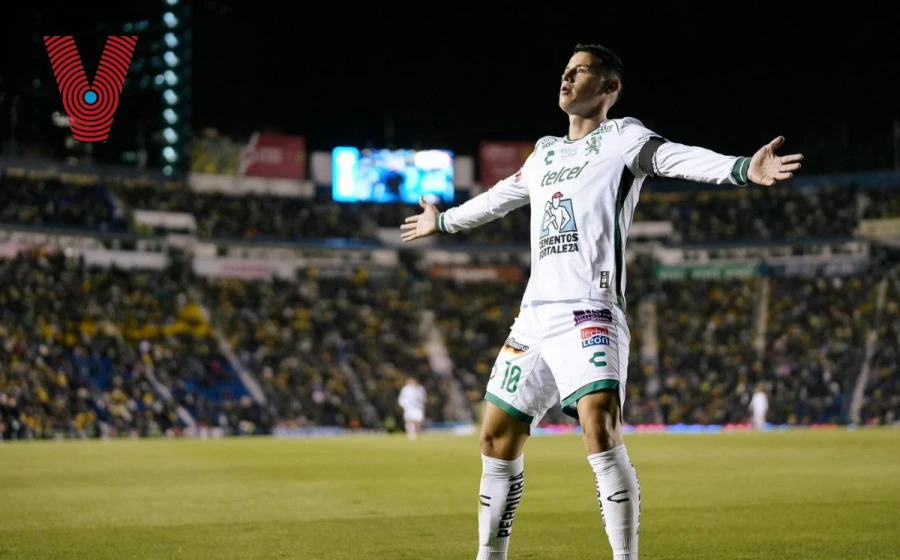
(439, 223)
(740, 170)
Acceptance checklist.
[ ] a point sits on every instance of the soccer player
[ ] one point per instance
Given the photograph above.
(759, 405)
(570, 341)
(412, 400)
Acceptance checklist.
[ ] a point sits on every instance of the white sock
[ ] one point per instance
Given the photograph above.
(411, 430)
(502, 484)
(619, 495)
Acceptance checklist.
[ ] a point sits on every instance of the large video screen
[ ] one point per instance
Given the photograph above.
(391, 175)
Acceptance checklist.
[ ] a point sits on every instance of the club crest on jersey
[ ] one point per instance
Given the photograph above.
(593, 145)
(559, 232)
(593, 316)
(594, 336)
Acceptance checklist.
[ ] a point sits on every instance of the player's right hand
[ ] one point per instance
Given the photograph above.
(420, 225)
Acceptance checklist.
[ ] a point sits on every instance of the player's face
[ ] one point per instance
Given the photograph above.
(582, 88)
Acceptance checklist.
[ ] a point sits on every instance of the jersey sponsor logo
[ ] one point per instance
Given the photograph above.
(566, 152)
(560, 175)
(548, 157)
(588, 332)
(595, 341)
(604, 128)
(604, 279)
(593, 316)
(514, 346)
(598, 359)
(594, 336)
(559, 232)
(546, 142)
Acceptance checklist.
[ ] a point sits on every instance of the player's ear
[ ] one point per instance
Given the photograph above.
(613, 85)
(614, 88)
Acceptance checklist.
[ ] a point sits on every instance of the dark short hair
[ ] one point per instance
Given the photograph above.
(610, 64)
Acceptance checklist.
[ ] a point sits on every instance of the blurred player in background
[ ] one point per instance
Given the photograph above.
(570, 342)
(412, 400)
(759, 405)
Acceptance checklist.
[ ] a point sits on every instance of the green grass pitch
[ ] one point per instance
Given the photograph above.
(792, 495)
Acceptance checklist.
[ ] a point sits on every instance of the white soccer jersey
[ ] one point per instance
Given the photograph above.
(412, 398)
(759, 404)
(583, 194)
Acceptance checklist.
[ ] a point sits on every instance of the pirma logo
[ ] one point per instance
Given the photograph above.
(514, 346)
(90, 106)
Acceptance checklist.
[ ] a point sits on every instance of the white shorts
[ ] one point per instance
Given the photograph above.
(560, 352)
(413, 415)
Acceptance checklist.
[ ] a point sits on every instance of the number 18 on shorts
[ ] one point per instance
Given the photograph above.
(558, 354)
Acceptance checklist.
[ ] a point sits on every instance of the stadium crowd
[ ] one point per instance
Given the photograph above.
(883, 388)
(88, 351)
(697, 216)
(310, 340)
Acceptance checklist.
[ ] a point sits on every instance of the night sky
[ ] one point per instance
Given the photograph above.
(829, 82)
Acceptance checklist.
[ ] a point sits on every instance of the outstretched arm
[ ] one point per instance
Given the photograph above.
(505, 196)
(650, 155)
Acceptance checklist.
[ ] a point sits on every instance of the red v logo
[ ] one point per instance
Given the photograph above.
(90, 106)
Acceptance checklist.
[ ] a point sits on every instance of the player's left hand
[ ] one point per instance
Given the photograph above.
(420, 225)
(766, 168)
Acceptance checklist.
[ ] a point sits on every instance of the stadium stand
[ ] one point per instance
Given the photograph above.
(112, 327)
